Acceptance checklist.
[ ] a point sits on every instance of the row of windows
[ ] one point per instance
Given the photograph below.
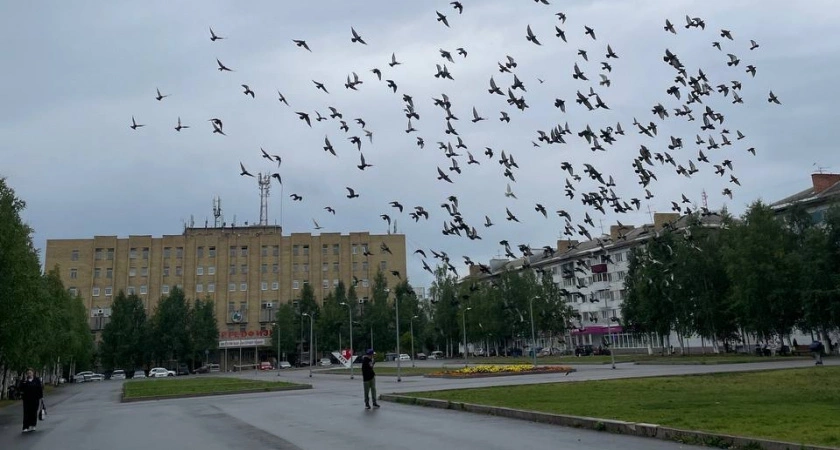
(594, 278)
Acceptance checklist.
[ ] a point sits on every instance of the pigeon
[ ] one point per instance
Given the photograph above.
(356, 37)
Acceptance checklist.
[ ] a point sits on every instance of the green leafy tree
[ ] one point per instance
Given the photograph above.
(445, 319)
(286, 328)
(124, 338)
(170, 325)
(203, 328)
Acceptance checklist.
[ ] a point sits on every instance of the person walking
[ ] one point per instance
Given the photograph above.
(369, 378)
(32, 391)
(817, 348)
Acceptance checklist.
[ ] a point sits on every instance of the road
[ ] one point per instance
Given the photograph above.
(332, 415)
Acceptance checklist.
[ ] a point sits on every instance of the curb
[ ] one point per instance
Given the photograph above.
(501, 374)
(612, 426)
(211, 394)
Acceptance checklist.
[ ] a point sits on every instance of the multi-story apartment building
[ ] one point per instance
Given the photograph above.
(817, 199)
(246, 271)
(591, 275)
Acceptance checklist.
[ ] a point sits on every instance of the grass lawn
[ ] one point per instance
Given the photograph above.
(182, 387)
(794, 405)
(387, 371)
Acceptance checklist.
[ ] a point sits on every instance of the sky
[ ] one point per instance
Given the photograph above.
(76, 73)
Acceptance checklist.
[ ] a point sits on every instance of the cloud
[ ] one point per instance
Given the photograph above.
(85, 70)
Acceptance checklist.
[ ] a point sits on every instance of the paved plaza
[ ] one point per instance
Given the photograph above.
(90, 416)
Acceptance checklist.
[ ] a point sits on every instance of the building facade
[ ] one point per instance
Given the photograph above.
(591, 276)
(817, 199)
(246, 271)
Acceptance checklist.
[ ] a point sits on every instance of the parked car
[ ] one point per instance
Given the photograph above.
(96, 377)
(285, 365)
(138, 374)
(81, 377)
(325, 362)
(421, 356)
(208, 368)
(436, 355)
(405, 357)
(118, 374)
(265, 365)
(182, 369)
(160, 372)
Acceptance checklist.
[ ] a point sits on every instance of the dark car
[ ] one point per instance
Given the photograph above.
(182, 369)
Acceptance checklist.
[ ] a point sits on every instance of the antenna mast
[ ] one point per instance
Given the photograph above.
(264, 182)
(217, 211)
(705, 200)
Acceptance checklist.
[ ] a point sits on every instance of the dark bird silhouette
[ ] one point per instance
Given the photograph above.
(296, 198)
(351, 193)
(442, 19)
(160, 97)
(590, 32)
(134, 125)
(222, 67)
(461, 51)
(301, 43)
(214, 37)
(244, 172)
(773, 99)
(753, 45)
(248, 90)
(476, 117)
(304, 117)
(356, 37)
(560, 33)
(669, 26)
(530, 36)
(282, 98)
(319, 85)
(363, 164)
(458, 6)
(180, 127)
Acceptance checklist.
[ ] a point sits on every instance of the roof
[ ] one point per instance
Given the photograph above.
(809, 196)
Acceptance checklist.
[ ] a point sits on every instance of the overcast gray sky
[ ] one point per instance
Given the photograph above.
(76, 72)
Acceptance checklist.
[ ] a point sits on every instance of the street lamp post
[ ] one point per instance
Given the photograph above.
(464, 324)
(412, 340)
(350, 314)
(533, 335)
(311, 326)
(609, 333)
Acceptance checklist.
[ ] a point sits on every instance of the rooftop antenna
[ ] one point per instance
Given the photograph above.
(395, 226)
(705, 200)
(601, 223)
(233, 224)
(217, 212)
(192, 221)
(264, 182)
(820, 169)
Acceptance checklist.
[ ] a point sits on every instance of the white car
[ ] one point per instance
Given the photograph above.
(96, 377)
(325, 362)
(81, 377)
(160, 372)
(118, 374)
(405, 357)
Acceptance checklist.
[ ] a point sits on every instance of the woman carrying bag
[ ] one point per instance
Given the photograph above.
(32, 394)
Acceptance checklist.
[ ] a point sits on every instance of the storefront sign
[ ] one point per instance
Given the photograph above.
(244, 334)
(242, 343)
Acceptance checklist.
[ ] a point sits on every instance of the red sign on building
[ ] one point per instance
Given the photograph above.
(244, 334)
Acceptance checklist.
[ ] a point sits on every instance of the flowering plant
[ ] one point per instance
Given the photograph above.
(509, 369)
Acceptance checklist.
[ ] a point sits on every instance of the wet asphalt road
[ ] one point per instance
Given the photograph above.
(90, 416)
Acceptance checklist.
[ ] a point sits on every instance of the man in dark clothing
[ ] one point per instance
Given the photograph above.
(369, 378)
(32, 391)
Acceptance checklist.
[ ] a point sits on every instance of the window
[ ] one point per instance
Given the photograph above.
(74, 255)
(179, 271)
(130, 290)
(144, 289)
(108, 291)
(243, 268)
(232, 251)
(72, 291)
(243, 287)
(335, 282)
(364, 266)
(383, 265)
(306, 267)
(99, 253)
(275, 268)
(132, 253)
(211, 287)
(335, 267)
(264, 268)
(199, 270)
(326, 284)
(365, 283)
(211, 270)
(275, 250)
(621, 274)
(164, 289)
(231, 307)
(275, 286)
(364, 248)
(167, 252)
(199, 287)
(95, 292)
(264, 250)
(232, 270)
(97, 272)
(305, 250)
(618, 257)
(109, 273)
(243, 251)
(324, 249)
(295, 250)
(145, 252)
(353, 249)
(211, 251)
(325, 267)
(179, 252)
(355, 266)
(264, 286)
(132, 272)
(295, 284)
(199, 252)
(295, 267)
(336, 249)
(74, 274)
(166, 271)
(110, 255)
(144, 271)
(232, 287)
(604, 314)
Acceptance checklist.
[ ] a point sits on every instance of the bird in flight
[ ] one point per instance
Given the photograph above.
(180, 127)
(530, 36)
(222, 67)
(351, 193)
(317, 227)
(248, 90)
(159, 96)
(441, 18)
(301, 43)
(356, 37)
(134, 125)
(244, 172)
(214, 37)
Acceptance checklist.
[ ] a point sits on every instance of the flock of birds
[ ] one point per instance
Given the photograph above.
(686, 99)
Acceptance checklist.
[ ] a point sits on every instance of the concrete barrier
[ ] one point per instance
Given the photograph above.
(640, 429)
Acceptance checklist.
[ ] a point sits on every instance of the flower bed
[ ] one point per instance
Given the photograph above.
(484, 370)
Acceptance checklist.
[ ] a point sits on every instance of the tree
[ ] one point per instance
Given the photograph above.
(444, 291)
(170, 325)
(203, 329)
(286, 329)
(124, 338)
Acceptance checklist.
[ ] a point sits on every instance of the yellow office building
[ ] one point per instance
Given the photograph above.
(245, 270)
